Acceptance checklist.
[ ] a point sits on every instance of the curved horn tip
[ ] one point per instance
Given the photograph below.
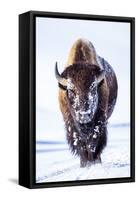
(101, 76)
(61, 80)
(56, 70)
(56, 65)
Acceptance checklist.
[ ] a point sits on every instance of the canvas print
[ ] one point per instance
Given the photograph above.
(82, 100)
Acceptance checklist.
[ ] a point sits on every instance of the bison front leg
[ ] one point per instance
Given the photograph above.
(83, 157)
(100, 135)
(93, 158)
(99, 160)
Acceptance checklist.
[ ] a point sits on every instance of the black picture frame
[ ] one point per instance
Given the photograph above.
(27, 100)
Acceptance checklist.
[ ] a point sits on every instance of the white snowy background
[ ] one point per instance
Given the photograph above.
(54, 38)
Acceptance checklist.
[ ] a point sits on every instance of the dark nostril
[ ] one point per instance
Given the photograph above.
(86, 105)
(84, 115)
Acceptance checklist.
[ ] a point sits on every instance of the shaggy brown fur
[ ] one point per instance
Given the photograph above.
(82, 67)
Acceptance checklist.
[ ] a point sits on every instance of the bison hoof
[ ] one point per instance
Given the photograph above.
(83, 163)
(99, 160)
(88, 163)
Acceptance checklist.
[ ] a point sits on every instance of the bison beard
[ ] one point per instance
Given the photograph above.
(88, 87)
(88, 142)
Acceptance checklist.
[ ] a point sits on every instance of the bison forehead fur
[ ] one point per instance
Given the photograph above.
(87, 96)
(82, 75)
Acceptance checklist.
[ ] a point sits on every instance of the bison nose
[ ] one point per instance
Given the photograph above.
(84, 115)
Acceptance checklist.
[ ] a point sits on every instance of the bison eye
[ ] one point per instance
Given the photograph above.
(93, 86)
(71, 93)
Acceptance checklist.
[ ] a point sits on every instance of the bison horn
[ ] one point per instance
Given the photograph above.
(101, 76)
(60, 79)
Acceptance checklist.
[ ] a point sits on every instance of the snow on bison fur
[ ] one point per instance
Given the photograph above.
(87, 96)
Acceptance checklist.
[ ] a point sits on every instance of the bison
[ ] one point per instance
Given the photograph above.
(87, 97)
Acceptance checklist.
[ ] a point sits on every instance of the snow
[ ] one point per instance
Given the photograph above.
(70, 85)
(55, 162)
(95, 136)
(75, 142)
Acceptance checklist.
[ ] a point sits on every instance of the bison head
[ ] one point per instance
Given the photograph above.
(81, 83)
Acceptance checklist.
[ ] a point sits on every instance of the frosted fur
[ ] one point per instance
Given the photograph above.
(87, 102)
(92, 102)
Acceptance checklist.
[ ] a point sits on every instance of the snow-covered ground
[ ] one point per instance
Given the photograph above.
(54, 161)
